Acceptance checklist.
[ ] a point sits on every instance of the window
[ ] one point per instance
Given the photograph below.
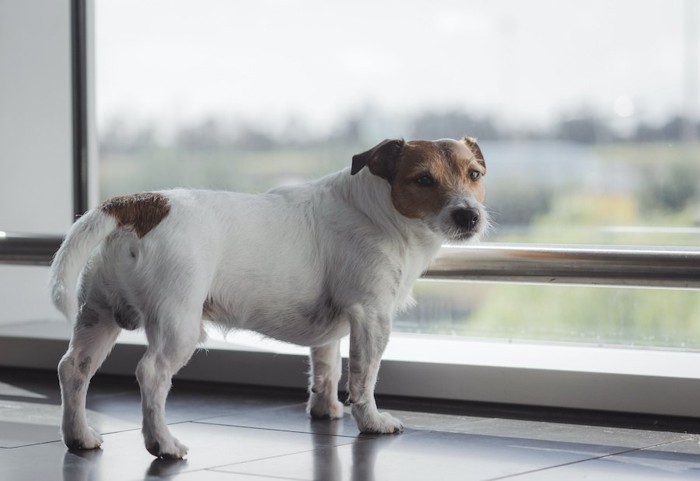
(589, 125)
(586, 141)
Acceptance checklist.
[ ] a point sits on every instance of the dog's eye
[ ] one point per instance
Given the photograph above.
(474, 175)
(425, 180)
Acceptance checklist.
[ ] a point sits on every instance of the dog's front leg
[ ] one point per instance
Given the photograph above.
(368, 339)
(326, 369)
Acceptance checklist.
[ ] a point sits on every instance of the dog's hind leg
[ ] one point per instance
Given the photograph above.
(172, 338)
(94, 335)
(326, 369)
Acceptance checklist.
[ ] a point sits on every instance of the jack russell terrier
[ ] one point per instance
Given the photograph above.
(307, 264)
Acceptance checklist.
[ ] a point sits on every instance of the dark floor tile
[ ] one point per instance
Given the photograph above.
(294, 418)
(124, 457)
(13, 434)
(48, 461)
(289, 418)
(607, 439)
(186, 404)
(421, 455)
(28, 384)
(241, 434)
(30, 410)
(23, 423)
(679, 460)
(28, 389)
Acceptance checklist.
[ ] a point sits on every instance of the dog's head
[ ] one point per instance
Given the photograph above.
(440, 182)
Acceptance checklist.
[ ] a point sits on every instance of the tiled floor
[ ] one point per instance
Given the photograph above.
(237, 434)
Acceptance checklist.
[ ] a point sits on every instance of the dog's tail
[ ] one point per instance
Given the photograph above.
(82, 239)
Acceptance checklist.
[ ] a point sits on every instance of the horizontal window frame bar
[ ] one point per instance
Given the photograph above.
(599, 265)
(28, 249)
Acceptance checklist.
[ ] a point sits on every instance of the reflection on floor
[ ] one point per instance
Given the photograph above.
(241, 434)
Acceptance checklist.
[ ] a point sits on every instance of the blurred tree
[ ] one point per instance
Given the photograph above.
(454, 124)
(517, 202)
(586, 129)
(669, 187)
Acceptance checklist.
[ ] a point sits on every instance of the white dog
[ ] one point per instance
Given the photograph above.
(307, 264)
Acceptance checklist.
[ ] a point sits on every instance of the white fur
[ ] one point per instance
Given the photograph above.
(308, 264)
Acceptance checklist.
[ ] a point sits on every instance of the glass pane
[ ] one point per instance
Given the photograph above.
(659, 318)
(588, 123)
(586, 111)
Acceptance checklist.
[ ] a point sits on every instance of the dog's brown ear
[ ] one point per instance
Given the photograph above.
(474, 147)
(381, 159)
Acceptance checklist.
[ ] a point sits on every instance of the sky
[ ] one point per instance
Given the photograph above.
(521, 62)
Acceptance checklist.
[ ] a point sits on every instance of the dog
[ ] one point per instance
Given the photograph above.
(306, 264)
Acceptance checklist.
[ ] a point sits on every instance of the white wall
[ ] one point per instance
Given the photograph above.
(35, 141)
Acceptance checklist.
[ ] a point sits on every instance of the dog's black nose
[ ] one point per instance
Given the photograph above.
(465, 218)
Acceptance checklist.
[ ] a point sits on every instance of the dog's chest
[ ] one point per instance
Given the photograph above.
(415, 262)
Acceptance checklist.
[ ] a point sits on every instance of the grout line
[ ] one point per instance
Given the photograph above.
(264, 458)
(548, 468)
(264, 476)
(39, 443)
(295, 431)
(204, 421)
(59, 440)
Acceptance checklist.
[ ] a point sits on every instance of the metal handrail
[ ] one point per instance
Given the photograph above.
(28, 249)
(672, 267)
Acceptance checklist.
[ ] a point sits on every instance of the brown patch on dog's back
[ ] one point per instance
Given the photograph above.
(141, 212)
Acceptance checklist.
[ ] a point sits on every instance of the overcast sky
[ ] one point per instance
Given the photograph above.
(522, 61)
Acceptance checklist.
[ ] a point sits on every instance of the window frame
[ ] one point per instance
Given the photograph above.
(608, 379)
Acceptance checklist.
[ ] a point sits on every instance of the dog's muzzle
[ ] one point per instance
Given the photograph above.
(466, 221)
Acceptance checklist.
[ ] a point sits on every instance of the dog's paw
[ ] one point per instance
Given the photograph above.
(87, 438)
(322, 408)
(169, 448)
(385, 423)
(369, 422)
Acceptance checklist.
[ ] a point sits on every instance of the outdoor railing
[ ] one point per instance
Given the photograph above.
(672, 267)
